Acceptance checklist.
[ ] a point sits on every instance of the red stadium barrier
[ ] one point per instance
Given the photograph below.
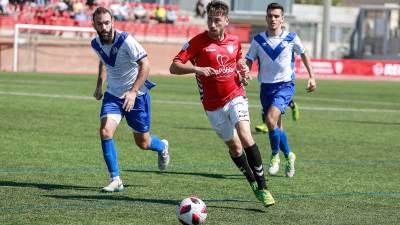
(352, 67)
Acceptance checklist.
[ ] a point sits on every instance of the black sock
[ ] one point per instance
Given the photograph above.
(255, 162)
(243, 165)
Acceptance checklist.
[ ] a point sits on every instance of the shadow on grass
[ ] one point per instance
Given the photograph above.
(236, 208)
(369, 122)
(48, 186)
(44, 186)
(129, 200)
(194, 128)
(208, 175)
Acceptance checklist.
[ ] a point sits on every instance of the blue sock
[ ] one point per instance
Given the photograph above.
(110, 156)
(274, 140)
(156, 144)
(284, 144)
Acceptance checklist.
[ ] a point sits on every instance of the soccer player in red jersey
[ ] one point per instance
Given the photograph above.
(216, 60)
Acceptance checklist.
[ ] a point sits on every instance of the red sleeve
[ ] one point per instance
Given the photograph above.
(189, 51)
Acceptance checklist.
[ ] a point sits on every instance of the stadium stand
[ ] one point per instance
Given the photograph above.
(78, 13)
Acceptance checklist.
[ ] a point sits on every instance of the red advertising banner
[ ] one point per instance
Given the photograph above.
(351, 67)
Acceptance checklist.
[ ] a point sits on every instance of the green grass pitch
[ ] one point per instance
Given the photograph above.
(51, 168)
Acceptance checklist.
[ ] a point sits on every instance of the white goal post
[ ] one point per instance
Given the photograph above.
(19, 27)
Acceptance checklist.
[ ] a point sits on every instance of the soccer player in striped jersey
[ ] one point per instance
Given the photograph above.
(216, 57)
(274, 49)
(127, 94)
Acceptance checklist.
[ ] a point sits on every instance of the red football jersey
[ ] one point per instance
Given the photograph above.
(203, 51)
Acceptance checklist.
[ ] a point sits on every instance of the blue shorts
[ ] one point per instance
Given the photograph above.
(276, 94)
(138, 118)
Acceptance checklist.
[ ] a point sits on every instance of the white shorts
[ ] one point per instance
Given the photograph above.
(223, 120)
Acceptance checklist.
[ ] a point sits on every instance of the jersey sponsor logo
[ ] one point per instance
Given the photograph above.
(210, 50)
(222, 60)
(230, 48)
(284, 44)
(113, 50)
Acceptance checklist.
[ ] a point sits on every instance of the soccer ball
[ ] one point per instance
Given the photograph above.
(191, 211)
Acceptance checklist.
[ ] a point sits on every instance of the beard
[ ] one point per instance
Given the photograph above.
(105, 37)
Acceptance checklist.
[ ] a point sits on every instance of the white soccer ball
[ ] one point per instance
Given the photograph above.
(191, 211)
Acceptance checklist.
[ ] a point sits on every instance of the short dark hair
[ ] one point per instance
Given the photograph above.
(101, 10)
(275, 5)
(217, 7)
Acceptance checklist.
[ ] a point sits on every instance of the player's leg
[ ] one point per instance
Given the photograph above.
(239, 116)
(239, 158)
(295, 110)
(262, 127)
(286, 92)
(219, 120)
(272, 116)
(139, 120)
(255, 162)
(290, 157)
(110, 117)
(146, 141)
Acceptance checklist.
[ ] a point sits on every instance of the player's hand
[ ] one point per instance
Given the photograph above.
(205, 71)
(244, 72)
(98, 94)
(129, 102)
(311, 85)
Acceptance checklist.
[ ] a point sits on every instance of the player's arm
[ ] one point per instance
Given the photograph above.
(143, 74)
(251, 55)
(249, 64)
(179, 68)
(311, 85)
(101, 77)
(241, 66)
(189, 52)
(243, 71)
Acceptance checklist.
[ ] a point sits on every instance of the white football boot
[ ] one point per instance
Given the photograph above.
(114, 186)
(163, 157)
(289, 168)
(274, 164)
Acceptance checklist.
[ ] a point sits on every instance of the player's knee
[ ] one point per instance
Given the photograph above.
(143, 144)
(270, 121)
(105, 133)
(235, 151)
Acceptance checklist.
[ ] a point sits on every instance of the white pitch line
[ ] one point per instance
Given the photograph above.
(172, 102)
(341, 100)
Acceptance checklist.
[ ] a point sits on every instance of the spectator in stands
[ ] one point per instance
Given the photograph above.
(160, 13)
(62, 6)
(90, 3)
(199, 9)
(81, 17)
(170, 16)
(77, 6)
(40, 2)
(4, 7)
(140, 13)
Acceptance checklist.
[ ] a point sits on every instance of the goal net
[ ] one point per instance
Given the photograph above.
(53, 49)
